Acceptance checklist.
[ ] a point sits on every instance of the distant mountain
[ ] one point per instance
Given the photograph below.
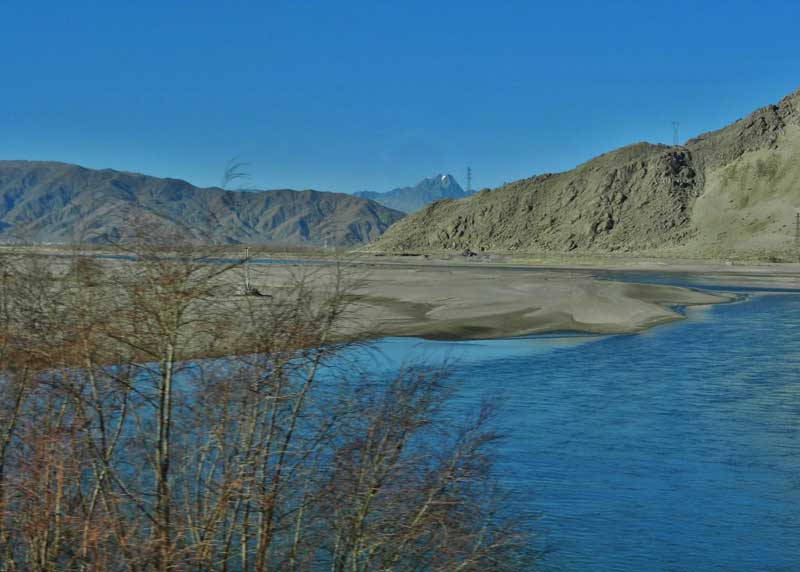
(63, 203)
(410, 199)
(729, 193)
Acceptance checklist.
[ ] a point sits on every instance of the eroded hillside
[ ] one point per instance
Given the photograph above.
(729, 192)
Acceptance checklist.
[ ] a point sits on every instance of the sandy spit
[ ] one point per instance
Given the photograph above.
(479, 303)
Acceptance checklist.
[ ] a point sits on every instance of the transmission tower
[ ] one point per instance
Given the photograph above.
(676, 140)
(797, 232)
(469, 179)
(247, 288)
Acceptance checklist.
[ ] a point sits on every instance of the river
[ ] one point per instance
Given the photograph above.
(676, 449)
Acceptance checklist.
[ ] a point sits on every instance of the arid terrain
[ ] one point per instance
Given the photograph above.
(730, 193)
(50, 202)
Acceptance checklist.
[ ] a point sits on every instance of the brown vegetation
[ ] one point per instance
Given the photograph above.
(119, 452)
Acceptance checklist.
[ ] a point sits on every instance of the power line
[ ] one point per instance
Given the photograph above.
(469, 179)
(676, 139)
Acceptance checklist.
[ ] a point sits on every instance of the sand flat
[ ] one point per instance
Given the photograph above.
(478, 303)
(458, 300)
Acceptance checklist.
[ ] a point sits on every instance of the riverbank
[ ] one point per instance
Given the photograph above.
(477, 297)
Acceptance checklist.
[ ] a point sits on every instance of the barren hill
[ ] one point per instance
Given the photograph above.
(732, 192)
(62, 203)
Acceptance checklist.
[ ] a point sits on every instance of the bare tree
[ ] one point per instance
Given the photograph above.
(155, 419)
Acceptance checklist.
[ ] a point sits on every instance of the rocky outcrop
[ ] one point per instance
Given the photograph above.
(599, 205)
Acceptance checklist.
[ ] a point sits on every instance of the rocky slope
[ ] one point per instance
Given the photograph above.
(63, 203)
(410, 199)
(731, 192)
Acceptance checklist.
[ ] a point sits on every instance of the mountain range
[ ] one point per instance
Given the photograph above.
(731, 192)
(51, 202)
(727, 193)
(410, 199)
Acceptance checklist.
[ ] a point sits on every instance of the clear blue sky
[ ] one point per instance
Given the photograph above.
(345, 96)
